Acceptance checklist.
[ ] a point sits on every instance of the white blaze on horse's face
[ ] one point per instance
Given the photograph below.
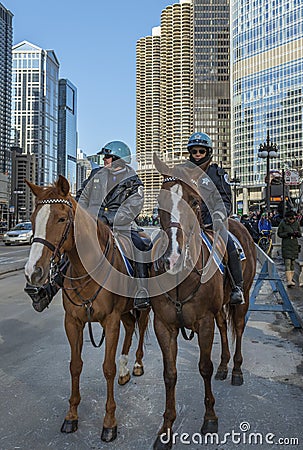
(37, 248)
(175, 215)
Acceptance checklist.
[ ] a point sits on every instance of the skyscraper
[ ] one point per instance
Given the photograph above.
(267, 41)
(6, 33)
(35, 107)
(148, 113)
(212, 110)
(67, 133)
(164, 94)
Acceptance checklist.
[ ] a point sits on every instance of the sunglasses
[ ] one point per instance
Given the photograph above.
(107, 156)
(198, 152)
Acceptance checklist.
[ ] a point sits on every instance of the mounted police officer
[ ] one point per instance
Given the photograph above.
(216, 205)
(113, 193)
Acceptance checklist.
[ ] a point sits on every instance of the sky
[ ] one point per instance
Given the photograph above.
(95, 43)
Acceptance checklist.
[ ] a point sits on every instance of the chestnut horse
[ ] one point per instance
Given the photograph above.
(201, 294)
(96, 289)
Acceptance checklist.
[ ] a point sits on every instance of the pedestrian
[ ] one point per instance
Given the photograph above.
(114, 194)
(289, 231)
(264, 225)
(214, 187)
(247, 223)
(254, 221)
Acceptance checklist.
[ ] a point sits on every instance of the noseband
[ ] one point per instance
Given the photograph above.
(52, 247)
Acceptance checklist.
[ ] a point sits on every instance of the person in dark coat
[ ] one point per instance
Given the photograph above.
(289, 231)
(214, 187)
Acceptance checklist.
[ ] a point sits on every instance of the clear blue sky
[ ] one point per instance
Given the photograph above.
(95, 42)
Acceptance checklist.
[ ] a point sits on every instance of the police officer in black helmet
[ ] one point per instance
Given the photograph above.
(214, 187)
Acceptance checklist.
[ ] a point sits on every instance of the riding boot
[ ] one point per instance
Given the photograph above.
(141, 299)
(235, 269)
(43, 295)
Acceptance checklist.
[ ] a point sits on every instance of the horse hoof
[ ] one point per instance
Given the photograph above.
(209, 426)
(221, 375)
(138, 371)
(162, 444)
(237, 380)
(122, 380)
(109, 434)
(69, 426)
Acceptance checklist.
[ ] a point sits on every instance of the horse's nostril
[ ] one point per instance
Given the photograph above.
(37, 275)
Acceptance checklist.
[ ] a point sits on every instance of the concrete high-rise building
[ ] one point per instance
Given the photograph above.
(148, 113)
(267, 42)
(67, 133)
(212, 105)
(164, 94)
(35, 107)
(6, 36)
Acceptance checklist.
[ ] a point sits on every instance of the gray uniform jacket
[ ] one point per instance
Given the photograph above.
(117, 205)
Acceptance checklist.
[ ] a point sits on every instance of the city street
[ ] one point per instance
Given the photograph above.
(35, 385)
(12, 257)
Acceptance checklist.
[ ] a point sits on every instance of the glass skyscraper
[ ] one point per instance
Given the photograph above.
(6, 33)
(67, 133)
(35, 107)
(267, 42)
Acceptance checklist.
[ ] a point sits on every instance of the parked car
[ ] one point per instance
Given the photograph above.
(22, 233)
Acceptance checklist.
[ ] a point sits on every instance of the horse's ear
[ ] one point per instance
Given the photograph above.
(62, 185)
(161, 166)
(36, 190)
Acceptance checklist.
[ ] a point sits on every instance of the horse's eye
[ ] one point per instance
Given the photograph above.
(62, 219)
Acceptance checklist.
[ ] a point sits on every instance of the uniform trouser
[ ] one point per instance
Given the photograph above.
(234, 262)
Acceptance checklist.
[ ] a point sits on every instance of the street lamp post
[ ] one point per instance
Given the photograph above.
(235, 182)
(268, 150)
(16, 192)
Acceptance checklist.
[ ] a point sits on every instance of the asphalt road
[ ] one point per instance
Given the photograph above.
(13, 257)
(35, 385)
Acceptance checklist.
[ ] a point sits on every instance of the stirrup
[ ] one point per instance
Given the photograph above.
(141, 299)
(236, 296)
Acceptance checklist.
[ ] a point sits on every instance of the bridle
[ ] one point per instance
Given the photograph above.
(56, 255)
(187, 258)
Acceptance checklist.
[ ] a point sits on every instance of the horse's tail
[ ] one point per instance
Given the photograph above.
(230, 311)
(233, 319)
(142, 315)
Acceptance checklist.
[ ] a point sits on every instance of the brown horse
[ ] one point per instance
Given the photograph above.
(201, 293)
(96, 289)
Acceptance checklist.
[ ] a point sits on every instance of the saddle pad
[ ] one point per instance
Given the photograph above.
(216, 256)
(128, 265)
(238, 246)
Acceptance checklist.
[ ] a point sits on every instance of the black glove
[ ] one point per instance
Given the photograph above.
(218, 224)
(296, 234)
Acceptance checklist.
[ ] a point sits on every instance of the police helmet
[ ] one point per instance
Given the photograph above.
(117, 149)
